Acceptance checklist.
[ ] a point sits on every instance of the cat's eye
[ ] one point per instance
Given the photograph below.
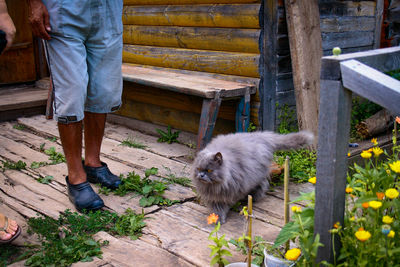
(208, 170)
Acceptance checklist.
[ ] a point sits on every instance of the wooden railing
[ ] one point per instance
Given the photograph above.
(361, 73)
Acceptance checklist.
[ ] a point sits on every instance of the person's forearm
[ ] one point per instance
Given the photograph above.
(6, 23)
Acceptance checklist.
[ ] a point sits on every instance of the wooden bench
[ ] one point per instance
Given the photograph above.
(212, 90)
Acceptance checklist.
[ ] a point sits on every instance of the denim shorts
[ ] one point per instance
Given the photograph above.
(85, 57)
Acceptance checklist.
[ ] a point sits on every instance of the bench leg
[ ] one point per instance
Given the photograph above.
(243, 114)
(209, 113)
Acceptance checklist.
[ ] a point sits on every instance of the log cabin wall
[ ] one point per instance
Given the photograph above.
(225, 39)
(218, 38)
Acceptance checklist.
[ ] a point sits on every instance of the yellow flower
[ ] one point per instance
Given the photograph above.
(375, 204)
(387, 219)
(349, 190)
(212, 218)
(293, 254)
(363, 235)
(296, 209)
(391, 193)
(352, 219)
(348, 154)
(388, 171)
(312, 180)
(380, 195)
(336, 225)
(395, 166)
(365, 154)
(391, 234)
(374, 141)
(377, 151)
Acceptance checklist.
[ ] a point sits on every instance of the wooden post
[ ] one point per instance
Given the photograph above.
(209, 113)
(249, 232)
(269, 68)
(334, 128)
(306, 51)
(286, 196)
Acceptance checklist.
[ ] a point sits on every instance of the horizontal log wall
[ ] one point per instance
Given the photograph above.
(218, 38)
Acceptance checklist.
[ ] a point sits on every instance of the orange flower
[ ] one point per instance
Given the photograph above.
(213, 218)
(398, 119)
(336, 225)
(349, 190)
(361, 229)
(380, 195)
(365, 205)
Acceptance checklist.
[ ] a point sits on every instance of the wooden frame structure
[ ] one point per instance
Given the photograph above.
(360, 73)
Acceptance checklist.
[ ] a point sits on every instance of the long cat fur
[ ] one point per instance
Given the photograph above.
(234, 165)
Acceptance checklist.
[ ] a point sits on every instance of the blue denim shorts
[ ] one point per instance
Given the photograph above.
(85, 57)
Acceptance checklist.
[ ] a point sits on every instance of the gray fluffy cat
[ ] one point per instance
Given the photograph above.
(232, 166)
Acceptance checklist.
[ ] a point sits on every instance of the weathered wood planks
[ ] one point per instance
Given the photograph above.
(181, 2)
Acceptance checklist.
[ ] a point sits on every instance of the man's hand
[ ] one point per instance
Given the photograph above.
(6, 24)
(39, 19)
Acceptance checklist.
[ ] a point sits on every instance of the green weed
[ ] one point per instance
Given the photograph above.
(171, 178)
(54, 156)
(169, 136)
(395, 74)
(132, 143)
(287, 119)
(45, 180)
(302, 163)
(8, 165)
(35, 164)
(251, 128)
(19, 127)
(70, 238)
(150, 190)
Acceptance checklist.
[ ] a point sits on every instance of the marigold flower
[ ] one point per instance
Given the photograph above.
(377, 151)
(365, 154)
(398, 119)
(361, 229)
(336, 225)
(391, 193)
(293, 254)
(375, 204)
(212, 218)
(363, 235)
(349, 190)
(365, 205)
(352, 219)
(380, 195)
(391, 234)
(395, 166)
(387, 219)
(348, 154)
(296, 209)
(312, 180)
(374, 141)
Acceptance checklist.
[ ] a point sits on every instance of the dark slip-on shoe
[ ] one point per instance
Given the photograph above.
(102, 175)
(83, 196)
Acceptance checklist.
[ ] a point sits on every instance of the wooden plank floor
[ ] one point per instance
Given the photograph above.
(175, 236)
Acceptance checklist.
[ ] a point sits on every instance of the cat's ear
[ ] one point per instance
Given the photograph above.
(218, 158)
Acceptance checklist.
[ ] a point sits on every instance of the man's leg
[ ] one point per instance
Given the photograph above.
(97, 171)
(94, 124)
(71, 140)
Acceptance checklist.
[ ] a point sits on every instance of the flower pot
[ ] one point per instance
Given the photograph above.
(272, 261)
(240, 264)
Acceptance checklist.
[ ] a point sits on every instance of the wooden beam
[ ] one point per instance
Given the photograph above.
(333, 138)
(182, 2)
(242, 64)
(306, 52)
(269, 68)
(217, 39)
(378, 23)
(371, 84)
(225, 16)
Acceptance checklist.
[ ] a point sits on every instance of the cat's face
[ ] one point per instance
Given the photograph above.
(207, 169)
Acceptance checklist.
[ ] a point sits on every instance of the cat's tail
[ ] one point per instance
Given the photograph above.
(292, 140)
